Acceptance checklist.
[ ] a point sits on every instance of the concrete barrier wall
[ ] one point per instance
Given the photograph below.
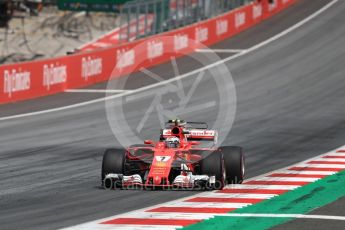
(28, 80)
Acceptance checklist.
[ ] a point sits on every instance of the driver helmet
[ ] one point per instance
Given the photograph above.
(172, 142)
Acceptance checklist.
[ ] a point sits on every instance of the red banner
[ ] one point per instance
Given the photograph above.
(29, 80)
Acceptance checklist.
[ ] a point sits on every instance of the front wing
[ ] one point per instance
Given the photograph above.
(113, 181)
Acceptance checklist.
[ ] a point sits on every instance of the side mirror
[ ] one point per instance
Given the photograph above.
(148, 142)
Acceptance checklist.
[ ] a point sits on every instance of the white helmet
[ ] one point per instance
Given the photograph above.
(172, 142)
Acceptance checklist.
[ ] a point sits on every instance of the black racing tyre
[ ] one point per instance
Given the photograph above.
(213, 165)
(234, 164)
(113, 162)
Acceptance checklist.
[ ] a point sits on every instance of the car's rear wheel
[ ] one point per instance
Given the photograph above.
(234, 164)
(113, 162)
(213, 165)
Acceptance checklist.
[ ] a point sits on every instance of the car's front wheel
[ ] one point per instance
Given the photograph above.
(113, 162)
(213, 165)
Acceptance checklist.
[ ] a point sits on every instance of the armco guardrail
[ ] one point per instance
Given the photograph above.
(29, 80)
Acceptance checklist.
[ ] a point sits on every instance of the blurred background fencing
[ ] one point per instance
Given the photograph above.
(34, 29)
(148, 17)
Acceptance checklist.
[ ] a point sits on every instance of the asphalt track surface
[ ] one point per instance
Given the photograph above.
(333, 209)
(290, 107)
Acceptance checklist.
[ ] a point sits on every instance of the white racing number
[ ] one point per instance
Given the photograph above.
(162, 158)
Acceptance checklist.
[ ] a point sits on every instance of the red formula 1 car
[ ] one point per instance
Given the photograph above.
(177, 160)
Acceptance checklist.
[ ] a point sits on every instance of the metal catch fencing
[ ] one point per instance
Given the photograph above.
(142, 18)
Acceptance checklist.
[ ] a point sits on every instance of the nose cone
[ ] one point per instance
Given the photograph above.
(157, 180)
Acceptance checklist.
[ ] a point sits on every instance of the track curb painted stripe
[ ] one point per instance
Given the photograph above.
(206, 205)
(280, 209)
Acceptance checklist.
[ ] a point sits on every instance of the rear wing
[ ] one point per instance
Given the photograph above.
(193, 134)
(187, 125)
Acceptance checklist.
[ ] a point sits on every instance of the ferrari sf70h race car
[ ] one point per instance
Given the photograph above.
(177, 160)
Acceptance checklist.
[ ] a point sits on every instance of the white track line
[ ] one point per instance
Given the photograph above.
(168, 215)
(197, 216)
(321, 166)
(207, 204)
(95, 224)
(332, 160)
(236, 195)
(326, 173)
(298, 216)
(288, 179)
(95, 91)
(192, 73)
(336, 155)
(220, 50)
(268, 187)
